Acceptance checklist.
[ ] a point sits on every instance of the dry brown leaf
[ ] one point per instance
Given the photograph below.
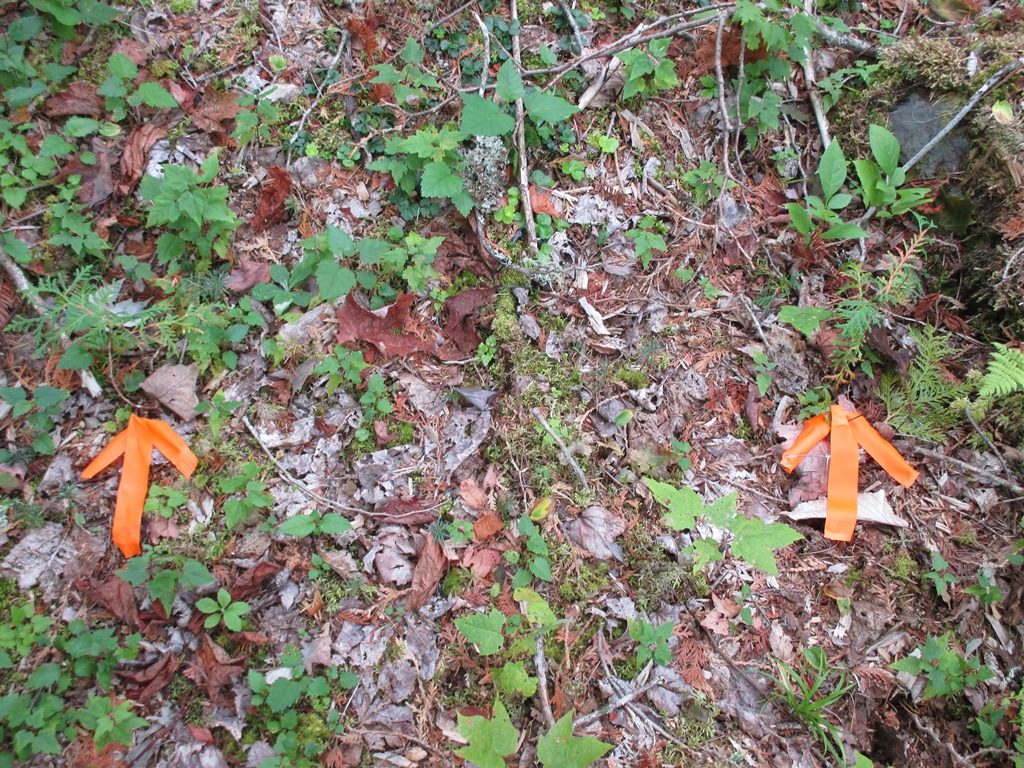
(114, 595)
(486, 526)
(215, 669)
(430, 567)
(462, 310)
(596, 530)
(135, 155)
(174, 386)
(152, 679)
(358, 324)
(481, 560)
(97, 180)
(406, 512)
(271, 210)
(216, 109)
(245, 274)
(473, 494)
(79, 98)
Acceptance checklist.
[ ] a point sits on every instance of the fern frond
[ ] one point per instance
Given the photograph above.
(1005, 373)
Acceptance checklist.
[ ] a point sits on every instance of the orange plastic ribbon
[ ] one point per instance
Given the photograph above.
(136, 444)
(849, 430)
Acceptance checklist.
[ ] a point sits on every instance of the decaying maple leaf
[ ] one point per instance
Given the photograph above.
(380, 330)
(245, 274)
(214, 668)
(270, 210)
(462, 309)
(430, 567)
(79, 98)
(135, 155)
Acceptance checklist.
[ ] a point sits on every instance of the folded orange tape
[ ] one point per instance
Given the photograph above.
(136, 444)
(849, 430)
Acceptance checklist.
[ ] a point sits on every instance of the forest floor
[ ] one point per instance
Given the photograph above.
(488, 325)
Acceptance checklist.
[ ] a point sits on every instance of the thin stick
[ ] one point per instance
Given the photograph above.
(982, 473)
(24, 289)
(576, 33)
(487, 53)
(614, 704)
(542, 678)
(813, 94)
(524, 177)
(289, 478)
(981, 93)
(562, 447)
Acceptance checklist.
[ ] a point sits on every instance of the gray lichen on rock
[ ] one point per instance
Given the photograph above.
(483, 174)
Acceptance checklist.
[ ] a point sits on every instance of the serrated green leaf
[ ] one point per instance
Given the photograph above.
(334, 280)
(538, 612)
(195, 574)
(490, 741)
(412, 53)
(74, 359)
(684, 504)
(510, 84)
(559, 748)
(483, 117)
(483, 630)
(153, 95)
(283, 693)
(513, 678)
(43, 676)
(804, 319)
(544, 107)
(844, 231)
(439, 181)
(333, 523)
(755, 541)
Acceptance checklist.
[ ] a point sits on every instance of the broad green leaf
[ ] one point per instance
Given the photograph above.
(885, 147)
(74, 359)
(483, 117)
(43, 676)
(684, 504)
(538, 612)
(46, 397)
(804, 319)
(559, 748)
(483, 630)
(412, 53)
(439, 181)
(869, 177)
(54, 146)
(844, 231)
(81, 126)
(334, 280)
(332, 523)
(490, 741)
(282, 694)
(1002, 111)
(207, 605)
(194, 574)
(121, 66)
(153, 95)
(799, 218)
(513, 678)
(543, 107)
(755, 541)
(832, 170)
(510, 84)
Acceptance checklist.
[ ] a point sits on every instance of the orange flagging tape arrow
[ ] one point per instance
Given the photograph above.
(136, 444)
(849, 430)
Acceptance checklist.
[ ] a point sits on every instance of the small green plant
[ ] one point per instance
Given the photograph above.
(376, 402)
(218, 411)
(411, 84)
(810, 701)
(344, 367)
(763, 367)
(487, 350)
(574, 169)
(223, 610)
(248, 495)
(37, 416)
(197, 221)
(648, 72)
(652, 641)
(824, 210)
(882, 179)
(115, 89)
(1005, 375)
(940, 576)
(296, 711)
(984, 588)
(163, 575)
(647, 238)
(164, 501)
(753, 540)
(538, 562)
(705, 182)
(947, 671)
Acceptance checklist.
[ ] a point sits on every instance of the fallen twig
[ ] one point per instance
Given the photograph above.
(615, 704)
(524, 178)
(487, 52)
(540, 662)
(982, 473)
(289, 478)
(813, 94)
(576, 33)
(342, 44)
(562, 447)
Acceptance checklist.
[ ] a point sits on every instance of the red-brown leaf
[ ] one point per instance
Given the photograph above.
(216, 109)
(152, 679)
(270, 210)
(115, 595)
(214, 668)
(406, 512)
(248, 583)
(430, 567)
(358, 324)
(486, 526)
(77, 99)
(462, 309)
(245, 274)
(97, 179)
(136, 153)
